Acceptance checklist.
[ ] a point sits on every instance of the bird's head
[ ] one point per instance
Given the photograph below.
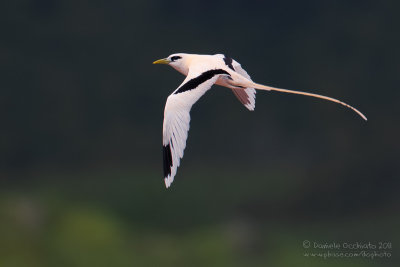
(179, 61)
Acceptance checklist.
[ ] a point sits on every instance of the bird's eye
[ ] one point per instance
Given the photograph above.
(174, 58)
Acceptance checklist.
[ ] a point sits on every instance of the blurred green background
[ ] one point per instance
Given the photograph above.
(82, 108)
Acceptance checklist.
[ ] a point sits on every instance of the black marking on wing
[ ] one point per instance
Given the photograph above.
(195, 82)
(228, 62)
(167, 154)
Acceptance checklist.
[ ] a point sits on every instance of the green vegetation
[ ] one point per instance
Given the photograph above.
(110, 220)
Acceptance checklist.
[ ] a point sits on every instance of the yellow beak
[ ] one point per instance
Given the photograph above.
(162, 61)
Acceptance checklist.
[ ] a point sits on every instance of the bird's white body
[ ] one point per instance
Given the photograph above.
(202, 71)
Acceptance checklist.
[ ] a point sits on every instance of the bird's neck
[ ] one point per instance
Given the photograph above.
(185, 64)
(182, 69)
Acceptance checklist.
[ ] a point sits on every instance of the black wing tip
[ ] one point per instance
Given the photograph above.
(228, 62)
(167, 155)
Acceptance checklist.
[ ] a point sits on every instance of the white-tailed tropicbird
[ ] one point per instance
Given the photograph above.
(202, 71)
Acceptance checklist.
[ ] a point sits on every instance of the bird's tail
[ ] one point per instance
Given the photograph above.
(247, 83)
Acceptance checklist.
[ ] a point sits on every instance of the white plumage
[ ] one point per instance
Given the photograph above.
(202, 71)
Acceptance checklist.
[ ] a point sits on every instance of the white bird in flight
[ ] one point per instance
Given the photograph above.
(202, 71)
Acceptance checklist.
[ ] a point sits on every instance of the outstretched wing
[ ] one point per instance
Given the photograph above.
(177, 117)
(246, 96)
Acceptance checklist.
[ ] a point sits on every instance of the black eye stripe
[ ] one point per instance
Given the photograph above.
(175, 58)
